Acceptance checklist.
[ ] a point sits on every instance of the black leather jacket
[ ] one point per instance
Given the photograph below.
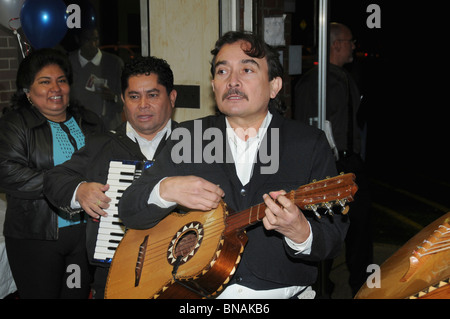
(26, 152)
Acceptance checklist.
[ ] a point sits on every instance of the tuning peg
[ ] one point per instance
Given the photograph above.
(329, 210)
(314, 209)
(345, 208)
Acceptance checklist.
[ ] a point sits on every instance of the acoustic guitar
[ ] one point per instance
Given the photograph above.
(194, 255)
(420, 269)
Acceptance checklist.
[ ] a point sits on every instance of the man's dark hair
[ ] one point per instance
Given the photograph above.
(148, 65)
(258, 49)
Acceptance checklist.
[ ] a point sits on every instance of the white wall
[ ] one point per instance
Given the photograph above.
(183, 32)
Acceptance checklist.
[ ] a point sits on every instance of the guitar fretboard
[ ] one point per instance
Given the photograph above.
(337, 191)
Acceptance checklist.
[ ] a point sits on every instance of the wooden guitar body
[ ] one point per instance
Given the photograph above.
(138, 272)
(419, 269)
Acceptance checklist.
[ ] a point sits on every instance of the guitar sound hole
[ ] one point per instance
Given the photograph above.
(186, 244)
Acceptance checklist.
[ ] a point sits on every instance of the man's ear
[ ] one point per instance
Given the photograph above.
(275, 86)
(173, 97)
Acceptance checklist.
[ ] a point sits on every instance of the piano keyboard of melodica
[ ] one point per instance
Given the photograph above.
(121, 174)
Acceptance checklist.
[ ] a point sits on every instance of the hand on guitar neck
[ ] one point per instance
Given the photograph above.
(283, 216)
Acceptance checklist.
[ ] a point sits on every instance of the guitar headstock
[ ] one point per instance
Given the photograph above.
(327, 193)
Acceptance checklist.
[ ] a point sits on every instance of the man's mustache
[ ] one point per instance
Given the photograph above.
(235, 92)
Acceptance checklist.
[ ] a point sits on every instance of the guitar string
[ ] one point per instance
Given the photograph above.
(437, 247)
(442, 242)
(434, 251)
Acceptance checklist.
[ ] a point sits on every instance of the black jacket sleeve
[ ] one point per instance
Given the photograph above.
(18, 177)
(61, 181)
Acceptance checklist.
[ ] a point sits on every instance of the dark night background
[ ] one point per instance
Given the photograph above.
(402, 80)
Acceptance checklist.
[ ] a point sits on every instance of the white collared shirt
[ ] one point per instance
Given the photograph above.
(245, 151)
(95, 60)
(148, 148)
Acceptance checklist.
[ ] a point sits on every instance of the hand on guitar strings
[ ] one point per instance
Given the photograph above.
(283, 216)
(92, 198)
(192, 192)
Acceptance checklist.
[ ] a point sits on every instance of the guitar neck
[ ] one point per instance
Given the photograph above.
(241, 220)
(326, 193)
(254, 214)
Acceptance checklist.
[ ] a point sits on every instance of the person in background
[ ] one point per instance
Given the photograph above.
(279, 260)
(343, 104)
(42, 129)
(149, 99)
(96, 78)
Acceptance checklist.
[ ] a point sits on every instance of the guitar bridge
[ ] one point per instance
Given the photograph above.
(140, 261)
(437, 242)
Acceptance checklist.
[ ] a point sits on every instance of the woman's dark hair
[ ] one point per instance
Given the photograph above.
(148, 65)
(32, 64)
(258, 49)
(35, 61)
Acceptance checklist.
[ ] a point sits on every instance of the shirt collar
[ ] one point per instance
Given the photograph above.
(95, 60)
(233, 136)
(134, 136)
